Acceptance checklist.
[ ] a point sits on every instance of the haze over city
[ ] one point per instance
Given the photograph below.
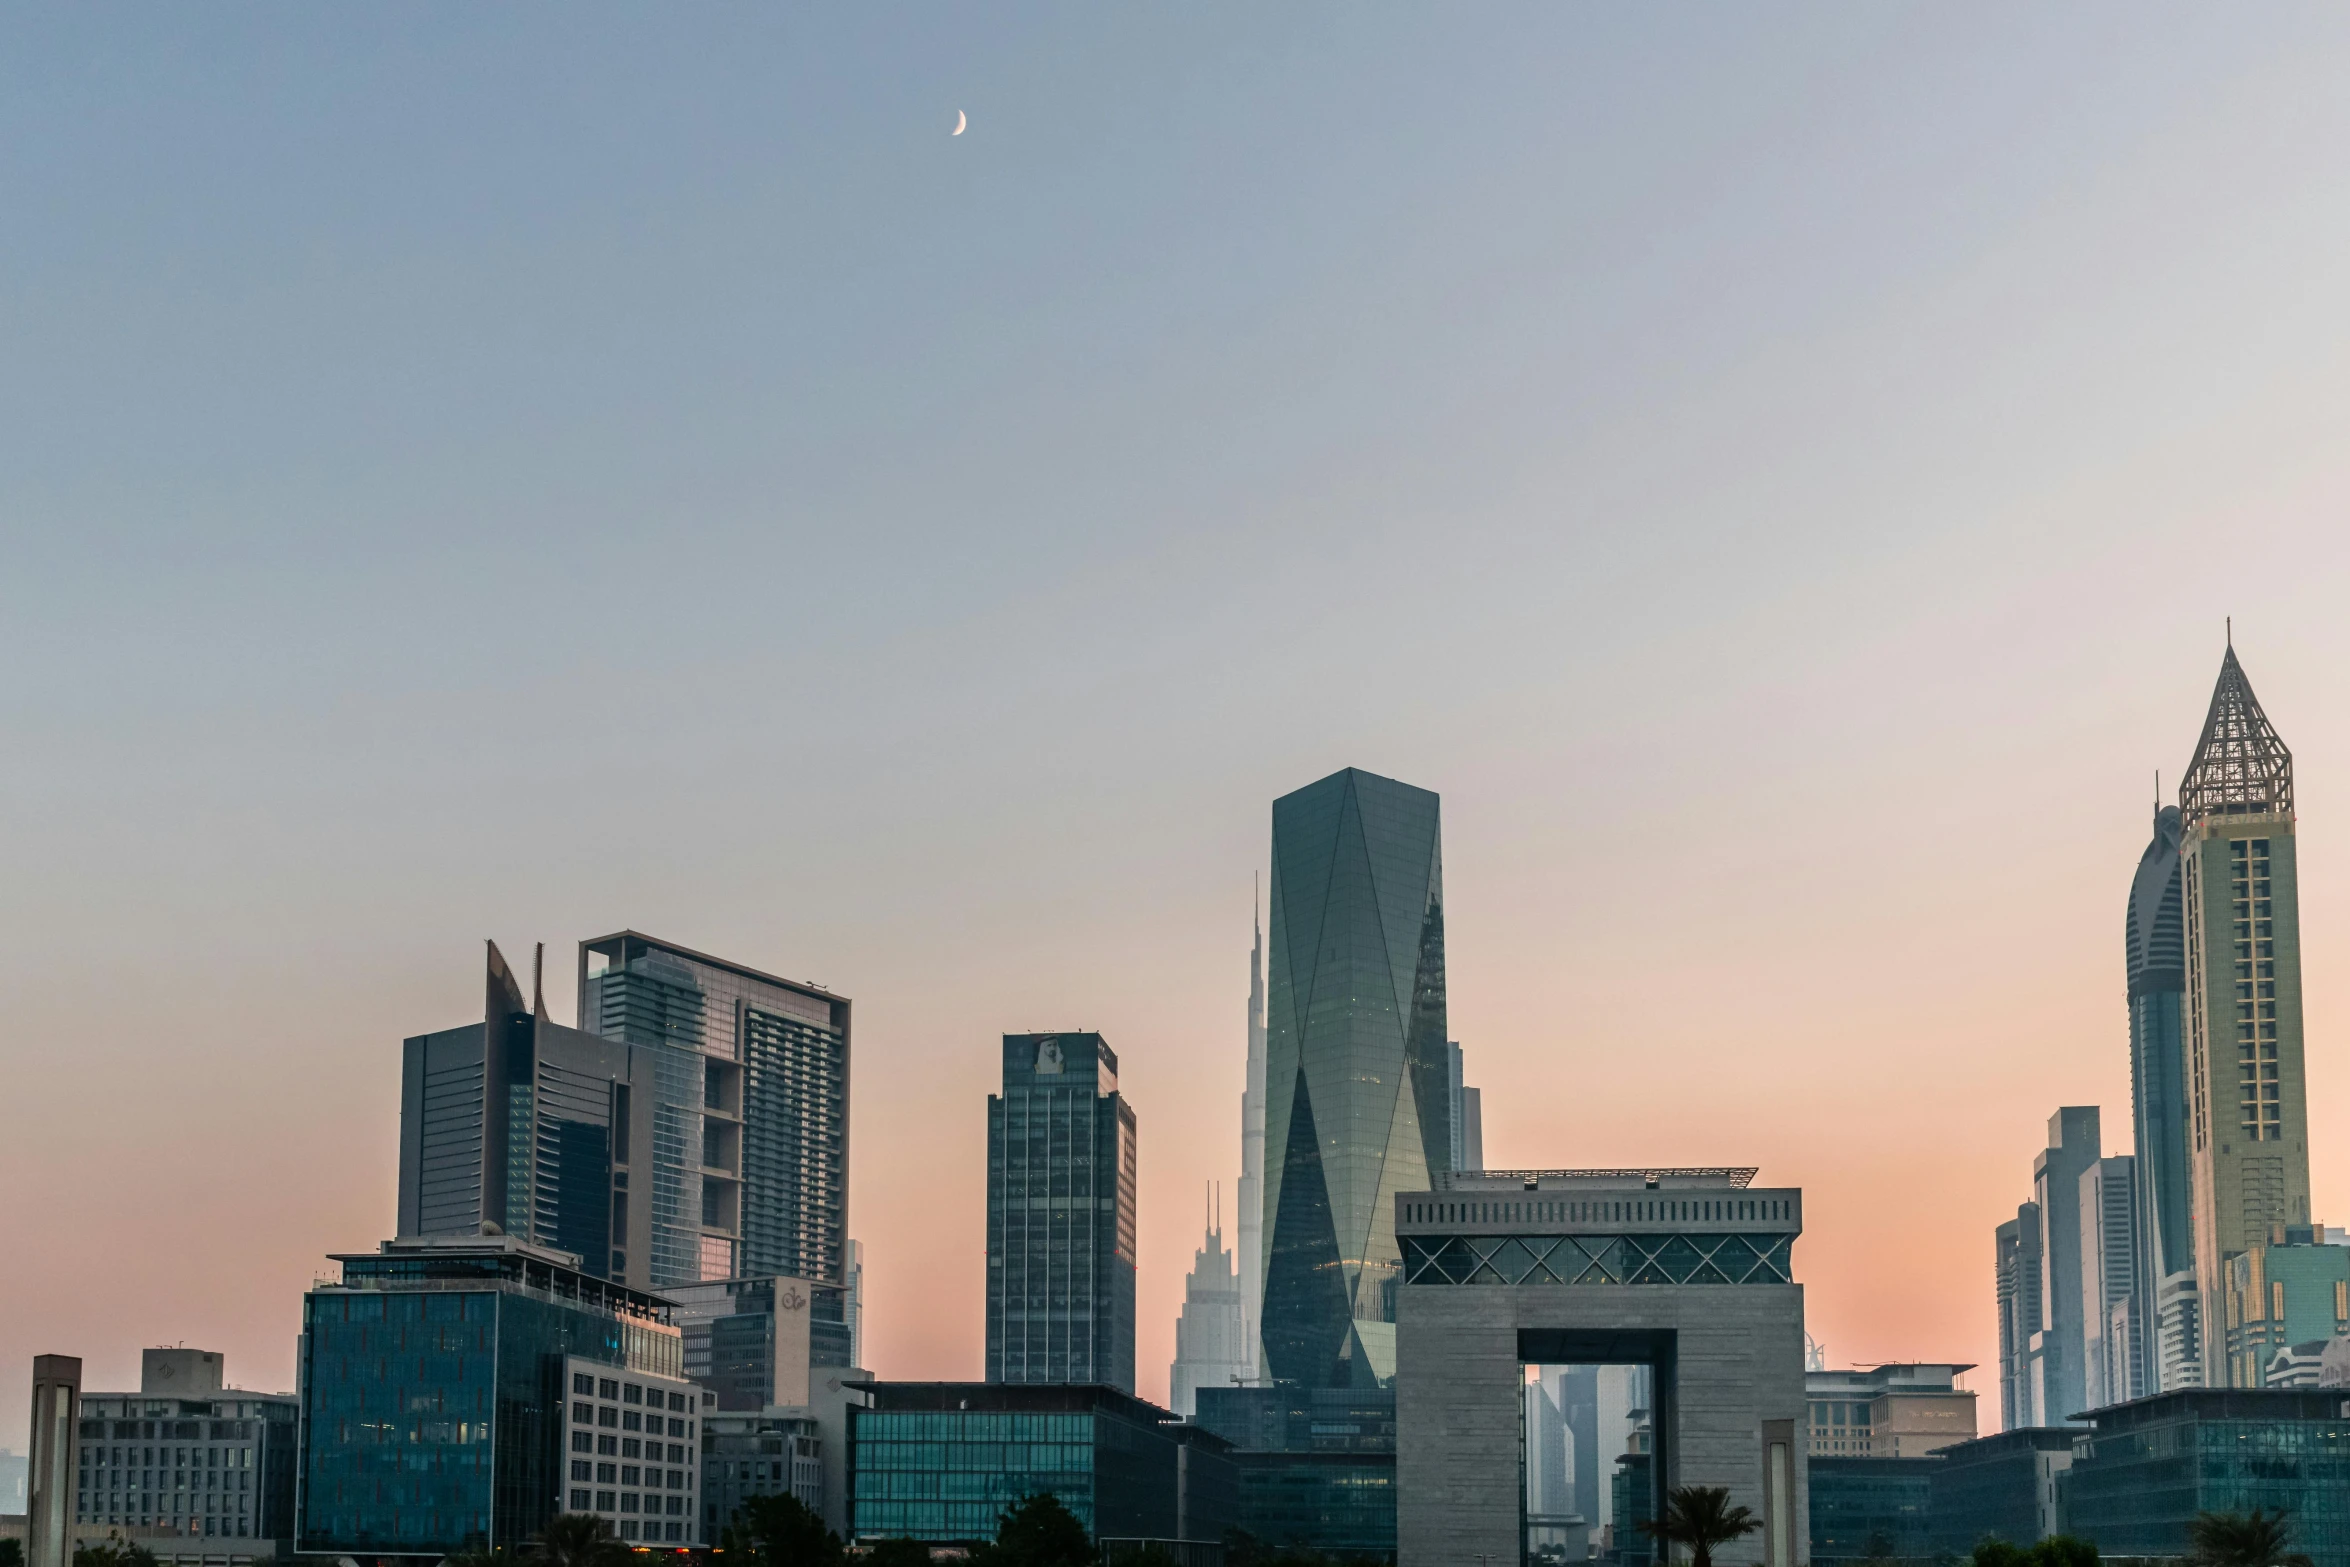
(1783, 482)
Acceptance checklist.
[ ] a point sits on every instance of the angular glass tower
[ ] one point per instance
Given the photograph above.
(1061, 1175)
(2155, 963)
(2248, 1114)
(1358, 1077)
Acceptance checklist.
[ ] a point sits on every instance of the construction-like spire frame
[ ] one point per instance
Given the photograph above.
(2240, 768)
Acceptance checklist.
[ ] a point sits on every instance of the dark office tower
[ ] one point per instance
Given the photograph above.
(519, 1123)
(2248, 1116)
(750, 1148)
(1358, 1077)
(1060, 1215)
(2155, 961)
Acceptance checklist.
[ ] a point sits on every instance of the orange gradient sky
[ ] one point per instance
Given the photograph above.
(1781, 484)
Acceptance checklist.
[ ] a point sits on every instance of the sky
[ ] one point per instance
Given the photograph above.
(1781, 474)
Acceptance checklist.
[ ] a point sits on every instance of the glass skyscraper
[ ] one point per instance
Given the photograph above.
(2155, 964)
(1061, 1169)
(750, 1116)
(519, 1123)
(441, 1406)
(695, 1127)
(2248, 1115)
(1358, 1076)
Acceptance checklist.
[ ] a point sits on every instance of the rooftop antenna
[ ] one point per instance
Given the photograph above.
(538, 974)
(2231, 633)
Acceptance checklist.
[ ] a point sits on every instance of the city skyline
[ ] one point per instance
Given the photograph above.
(676, 486)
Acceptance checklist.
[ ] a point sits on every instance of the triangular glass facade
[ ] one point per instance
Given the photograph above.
(1358, 1083)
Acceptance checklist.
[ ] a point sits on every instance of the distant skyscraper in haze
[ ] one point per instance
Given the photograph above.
(1251, 1211)
(1061, 1171)
(2248, 1113)
(1358, 1083)
(2060, 1381)
(1209, 1336)
(1468, 1116)
(2155, 963)
(2112, 1351)
(750, 1144)
(2018, 1274)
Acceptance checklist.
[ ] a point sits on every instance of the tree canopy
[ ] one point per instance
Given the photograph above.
(1701, 1517)
(783, 1531)
(1037, 1531)
(2254, 1539)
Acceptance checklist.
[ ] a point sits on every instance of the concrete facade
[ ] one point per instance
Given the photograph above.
(50, 1483)
(1684, 1271)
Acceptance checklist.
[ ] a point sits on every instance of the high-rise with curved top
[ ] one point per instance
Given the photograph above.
(2247, 1105)
(1357, 1081)
(2155, 963)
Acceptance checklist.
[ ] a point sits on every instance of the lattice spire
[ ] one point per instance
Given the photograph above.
(2240, 768)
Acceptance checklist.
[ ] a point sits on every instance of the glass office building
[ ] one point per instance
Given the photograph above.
(1358, 1075)
(520, 1123)
(749, 1159)
(1871, 1509)
(941, 1461)
(753, 1343)
(1316, 1465)
(435, 1392)
(1061, 1172)
(2146, 1468)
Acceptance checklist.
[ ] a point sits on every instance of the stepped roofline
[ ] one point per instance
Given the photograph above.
(2241, 767)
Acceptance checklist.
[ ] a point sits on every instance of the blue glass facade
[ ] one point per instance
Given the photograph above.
(1358, 1073)
(941, 1462)
(432, 1387)
(1061, 1175)
(2148, 1467)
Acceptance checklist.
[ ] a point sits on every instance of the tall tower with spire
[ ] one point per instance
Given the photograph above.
(1252, 1164)
(2247, 1104)
(1208, 1335)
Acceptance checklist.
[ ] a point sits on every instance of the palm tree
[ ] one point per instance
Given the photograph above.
(2254, 1539)
(1701, 1517)
(580, 1540)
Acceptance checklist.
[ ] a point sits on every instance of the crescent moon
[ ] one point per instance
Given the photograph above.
(961, 120)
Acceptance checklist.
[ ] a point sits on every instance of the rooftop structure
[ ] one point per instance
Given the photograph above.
(2241, 767)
